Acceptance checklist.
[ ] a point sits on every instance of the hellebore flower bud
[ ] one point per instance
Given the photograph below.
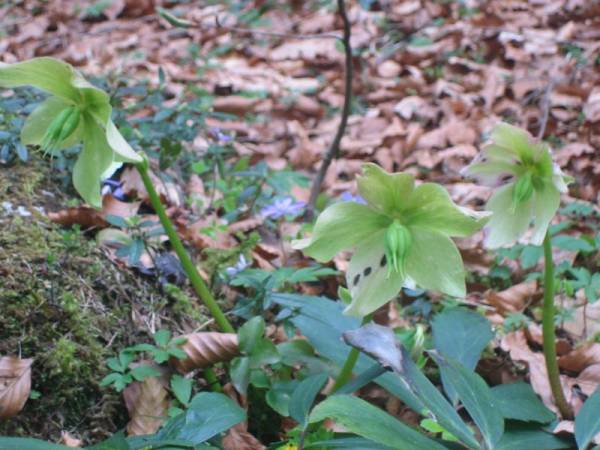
(523, 189)
(63, 125)
(397, 243)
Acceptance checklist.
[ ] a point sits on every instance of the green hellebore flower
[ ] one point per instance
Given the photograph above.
(401, 235)
(76, 111)
(529, 184)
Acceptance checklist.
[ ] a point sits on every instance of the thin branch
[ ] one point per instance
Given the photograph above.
(334, 147)
(546, 103)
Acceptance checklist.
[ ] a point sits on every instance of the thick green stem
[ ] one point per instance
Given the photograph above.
(346, 372)
(186, 262)
(549, 336)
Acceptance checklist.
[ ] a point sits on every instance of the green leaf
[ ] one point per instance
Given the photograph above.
(240, 374)
(530, 256)
(115, 364)
(182, 388)
(140, 373)
(364, 419)
(208, 415)
(346, 443)
(115, 442)
(341, 226)
(117, 221)
(476, 397)
(304, 396)
(264, 353)
(162, 337)
(250, 334)
(111, 378)
(13, 443)
(518, 401)
(279, 396)
(587, 421)
(382, 344)
(571, 243)
(462, 335)
(520, 437)
(434, 262)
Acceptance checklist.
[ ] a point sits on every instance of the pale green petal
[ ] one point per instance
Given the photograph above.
(37, 122)
(368, 280)
(430, 206)
(546, 203)
(514, 139)
(435, 263)
(118, 143)
(559, 179)
(48, 74)
(384, 191)
(507, 224)
(496, 153)
(341, 226)
(95, 158)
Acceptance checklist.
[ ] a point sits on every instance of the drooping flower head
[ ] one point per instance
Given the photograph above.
(76, 111)
(529, 185)
(401, 235)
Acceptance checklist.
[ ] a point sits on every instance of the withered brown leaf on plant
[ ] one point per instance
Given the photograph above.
(205, 349)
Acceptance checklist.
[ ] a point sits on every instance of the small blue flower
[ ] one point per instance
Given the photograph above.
(241, 265)
(220, 136)
(349, 197)
(283, 207)
(113, 187)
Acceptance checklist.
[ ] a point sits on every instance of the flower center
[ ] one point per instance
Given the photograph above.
(397, 244)
(61, 127)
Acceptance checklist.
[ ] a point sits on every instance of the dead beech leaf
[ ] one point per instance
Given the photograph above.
(238, 438)
(149, 409)
(88, 217)
(514, 299)
(15, 385)
(580, 358)
(205, 349)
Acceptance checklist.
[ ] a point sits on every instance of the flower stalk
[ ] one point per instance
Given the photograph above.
(186, 262)
(549, 335)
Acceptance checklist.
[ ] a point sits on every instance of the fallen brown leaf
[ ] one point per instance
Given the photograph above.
(149, 409)
(238, 438)
(580, 358)
(15, 385)
(69, 440)
(205, 349)
(513, 299)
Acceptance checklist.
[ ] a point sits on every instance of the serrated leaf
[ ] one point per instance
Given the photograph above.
(140, 373)
(162, 337)
(182, 388)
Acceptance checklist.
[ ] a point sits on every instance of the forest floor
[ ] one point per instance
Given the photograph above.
(257, 88)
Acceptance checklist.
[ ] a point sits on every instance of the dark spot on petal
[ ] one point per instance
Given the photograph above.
(506, 178)
(356, 279)
(383, 261)
(367, 272)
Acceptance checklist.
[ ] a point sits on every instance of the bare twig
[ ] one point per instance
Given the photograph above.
(334, 147)
(545, 106)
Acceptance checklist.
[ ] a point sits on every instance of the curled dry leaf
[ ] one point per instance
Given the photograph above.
(15, 385)
(513, 299)
(580, 358)
(205, 349)
(149, 409)
(90, 217)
